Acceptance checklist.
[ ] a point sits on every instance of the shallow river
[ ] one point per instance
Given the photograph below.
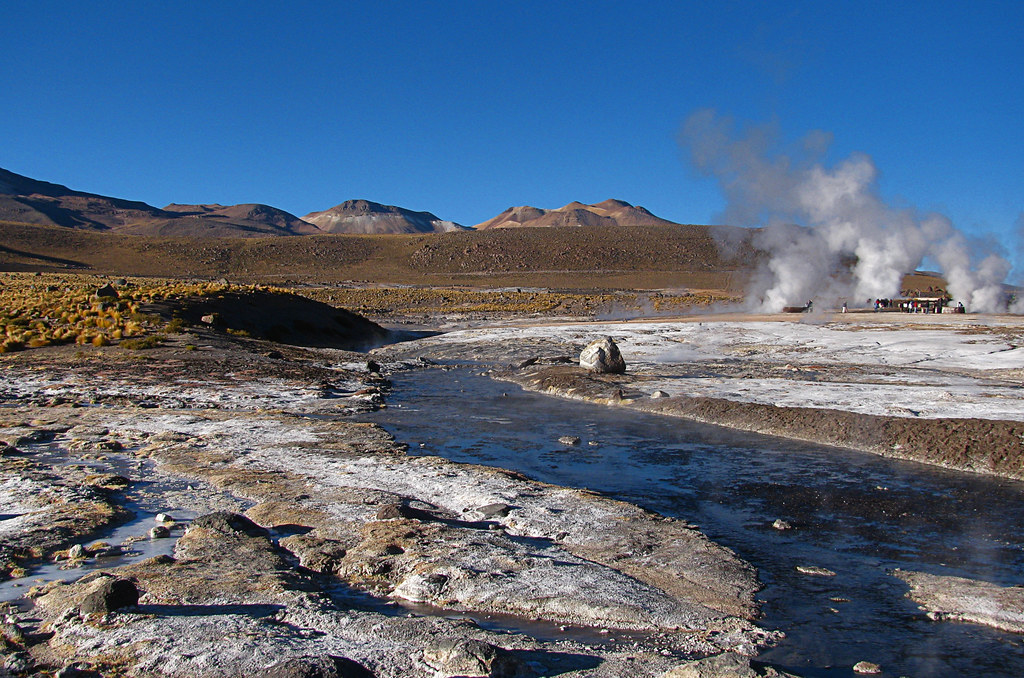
(855, 514)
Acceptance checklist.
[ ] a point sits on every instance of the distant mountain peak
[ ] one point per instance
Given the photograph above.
(608, 212)
(367, 217)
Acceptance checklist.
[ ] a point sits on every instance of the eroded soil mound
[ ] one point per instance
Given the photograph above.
(282, 317)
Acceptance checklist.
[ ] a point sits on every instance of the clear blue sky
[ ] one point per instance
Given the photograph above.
(466, 108)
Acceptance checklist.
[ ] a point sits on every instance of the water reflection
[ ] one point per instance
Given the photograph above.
(854, 514)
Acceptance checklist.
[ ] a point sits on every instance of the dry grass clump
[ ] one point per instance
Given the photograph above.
(38, 310)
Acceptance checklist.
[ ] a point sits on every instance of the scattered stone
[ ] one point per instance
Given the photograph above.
(867, 667)
(815, 571)
(109, 594)
(159, 532)
(781, 524)
(107, 290)
(602, 355)
(659, 394)
(18, 663)
(163, 518)
(226, 522)
(314, 667)
(569, 440)
(398, 511)
(496, 510)
(471, 658)
(77, 552)
(209, 319)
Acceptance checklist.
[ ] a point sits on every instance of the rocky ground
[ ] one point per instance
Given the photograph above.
(299, 542)
(292, 540)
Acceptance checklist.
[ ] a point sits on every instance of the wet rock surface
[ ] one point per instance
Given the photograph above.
(296, 535)
(968, 600)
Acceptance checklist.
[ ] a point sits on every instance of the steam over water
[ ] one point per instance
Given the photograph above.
(857, 515)
(817, 219)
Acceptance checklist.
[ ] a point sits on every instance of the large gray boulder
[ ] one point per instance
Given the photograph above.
(602, 355)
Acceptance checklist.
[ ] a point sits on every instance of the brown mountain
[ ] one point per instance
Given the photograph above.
(257, 216)
(364, 216)
(40, 202)
(607, 213)
(31, 201)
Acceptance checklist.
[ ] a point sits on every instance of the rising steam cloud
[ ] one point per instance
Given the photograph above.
(827, 232)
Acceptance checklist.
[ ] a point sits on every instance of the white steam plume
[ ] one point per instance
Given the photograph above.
(818, 220)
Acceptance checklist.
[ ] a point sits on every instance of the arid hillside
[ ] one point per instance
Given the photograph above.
(573, 258)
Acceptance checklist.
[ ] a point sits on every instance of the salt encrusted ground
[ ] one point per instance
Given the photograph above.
(950, 365)
(348, 513)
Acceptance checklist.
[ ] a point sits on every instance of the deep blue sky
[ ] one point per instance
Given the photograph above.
(466, 108)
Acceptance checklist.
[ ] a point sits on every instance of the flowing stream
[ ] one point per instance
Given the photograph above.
(855, 514)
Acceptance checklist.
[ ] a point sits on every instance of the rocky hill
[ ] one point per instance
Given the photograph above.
(364, 216)
(607, 213)
(249, 213)
(39, 202)
(31, 201)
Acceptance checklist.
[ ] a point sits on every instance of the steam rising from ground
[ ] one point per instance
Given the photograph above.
(849, 244)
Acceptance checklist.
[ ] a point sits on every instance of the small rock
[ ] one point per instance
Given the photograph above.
(18, 663)
(110, 594)
(815, 571)
(159, 532)
(12, 633)
(226, 522)
(163, 518)
(471, 658)
(867, 667)
(781, 524)
(107, 290)
(396, 511)
(209, 318)
(569, 440)
(496, 510)
(659, 394)
(76, 552)
(602, 356)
